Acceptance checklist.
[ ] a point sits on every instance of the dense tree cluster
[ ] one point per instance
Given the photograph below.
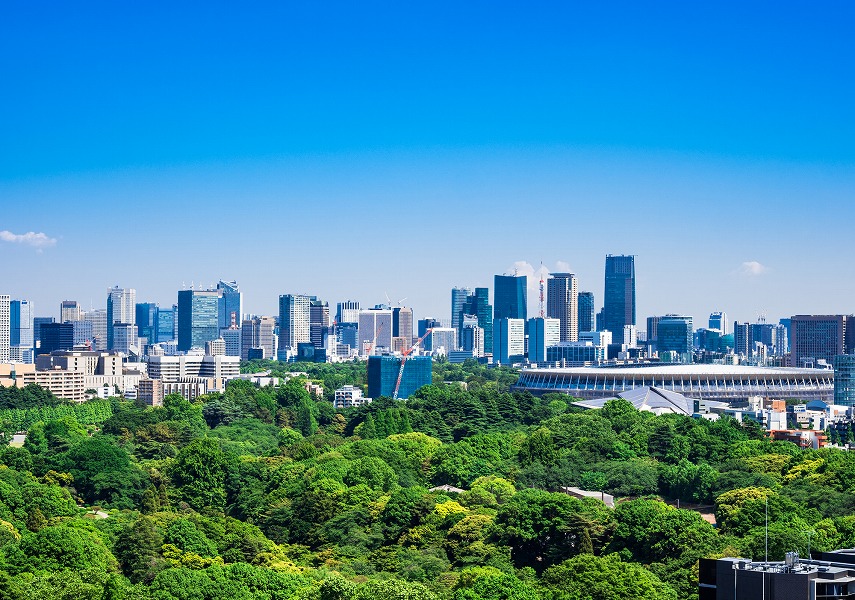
(270, 493)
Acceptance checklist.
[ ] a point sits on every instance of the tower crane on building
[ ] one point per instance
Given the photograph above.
(404, 358)
(377, 331)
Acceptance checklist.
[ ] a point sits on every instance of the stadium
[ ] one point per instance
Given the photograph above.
(723, 383)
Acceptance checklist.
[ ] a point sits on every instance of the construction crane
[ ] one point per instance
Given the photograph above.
(377, 331)
(404, 358)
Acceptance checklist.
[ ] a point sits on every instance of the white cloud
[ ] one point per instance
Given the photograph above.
(31, 238)
(752, 268)
(563, 267)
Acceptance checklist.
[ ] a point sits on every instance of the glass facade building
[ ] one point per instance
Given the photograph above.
(21, 323)
(619, 296)
(383, 375)
(587, 313)
(230, 304)
(198, 318)
(165, 324)
(510, 297)
(674, 334)
(147, 321)
(844, 379)
(478, 305)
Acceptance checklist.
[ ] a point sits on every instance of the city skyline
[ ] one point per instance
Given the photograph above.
(279, 148)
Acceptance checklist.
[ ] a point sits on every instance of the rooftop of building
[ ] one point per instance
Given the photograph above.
(682, 369)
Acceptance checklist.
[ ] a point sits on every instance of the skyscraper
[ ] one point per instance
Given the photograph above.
(294, 318)
(21, 323)
(818, 337)
(542, 334)
(258, 333)
(619, 296)
(198, 318)
(742, 339)
(674, 334)
(587, 312)
(69, 310)
(718, 320)
(146, 319)
(402, 324)
(459, 295)
(562, 297)
(375, 330)
(508, 341)
(98, 318)
(166, 324)
(510, 297)
(319, 321)
(5, 327)
(121, 308)
(478, 305)
(347, 312)
(230, 303)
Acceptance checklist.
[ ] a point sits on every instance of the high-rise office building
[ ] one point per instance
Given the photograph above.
(125, 338)
(652, 330)
(459, 295)
(83, 333)
(402, 324)
(121, 308)
(508, 341)
(294, 317)
(5, 327)
(383, 375)
(587, 313)
(146, 320)
(844, 379)
(258, 333)
(375, 330)
(37, 329)
(718, 320)
(166, 325)
(478, 305)
(319, 322)
(21, 323)
(818, 337)
(473, 336)
(510, 297)
(347, 312)
(98, 318)
(230, 307)
(198, 318)
(742, 339)
(428, 323)
(442, 340)
(56, 336)
(542, 334)
(619, 294)
(562, 297)
(674, 334)
(69, 310)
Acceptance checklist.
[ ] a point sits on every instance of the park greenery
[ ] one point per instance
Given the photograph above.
(270, 493)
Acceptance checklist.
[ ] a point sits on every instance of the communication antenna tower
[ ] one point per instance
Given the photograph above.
(541, 290)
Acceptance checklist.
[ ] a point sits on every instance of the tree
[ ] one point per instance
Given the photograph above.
(589, 577)
(200, 473)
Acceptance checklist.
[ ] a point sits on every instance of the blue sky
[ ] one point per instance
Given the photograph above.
(350, 150)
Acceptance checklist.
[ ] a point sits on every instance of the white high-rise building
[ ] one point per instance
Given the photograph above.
(98, 318)
(5, 327)
(121, 308)
(718, 320)
(562, 303)
(69, 310)
(293, 323)
(508, 340)
(542, 334)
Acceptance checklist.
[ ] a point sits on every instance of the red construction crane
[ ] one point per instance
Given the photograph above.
(374, 341)
(404, 358)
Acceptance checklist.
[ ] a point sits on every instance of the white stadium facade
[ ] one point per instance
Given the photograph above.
(723, 383)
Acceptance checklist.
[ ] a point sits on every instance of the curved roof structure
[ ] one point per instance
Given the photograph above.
(723, 383)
